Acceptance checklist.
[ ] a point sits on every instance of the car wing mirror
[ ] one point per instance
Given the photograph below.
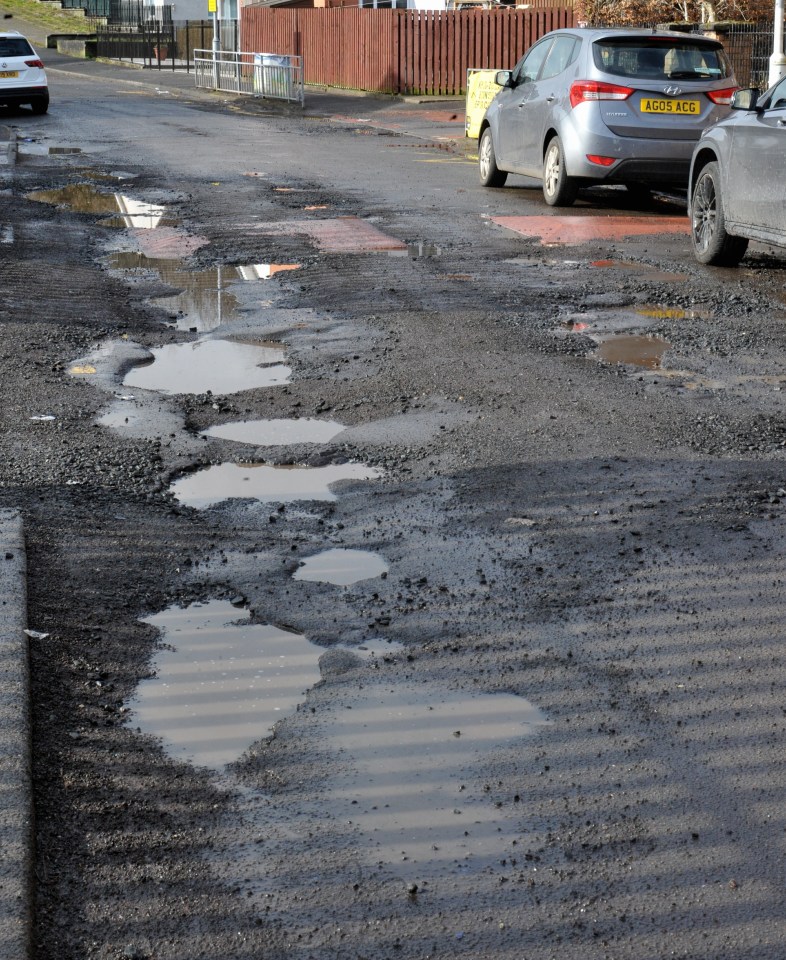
(503, 78)
(746, 99)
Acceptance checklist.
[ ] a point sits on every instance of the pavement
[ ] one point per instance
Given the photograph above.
(432, 118)
(16, 806)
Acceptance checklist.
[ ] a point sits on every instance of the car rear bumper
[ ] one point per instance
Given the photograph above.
(23, 94)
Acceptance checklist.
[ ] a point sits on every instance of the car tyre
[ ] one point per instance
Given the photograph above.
(711, 242)
(40, 105)
(559, 190)
(490, 174)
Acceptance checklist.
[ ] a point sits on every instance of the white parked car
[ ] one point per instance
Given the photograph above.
(22, 74)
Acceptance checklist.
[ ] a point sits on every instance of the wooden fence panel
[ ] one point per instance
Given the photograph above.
(425, 52)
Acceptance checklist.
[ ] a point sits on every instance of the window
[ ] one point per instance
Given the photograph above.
(561, 55)
(529, 68)
(15, 47)
(687, 59)
(778, 98)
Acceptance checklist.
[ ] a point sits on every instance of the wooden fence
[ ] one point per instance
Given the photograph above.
(423, 52)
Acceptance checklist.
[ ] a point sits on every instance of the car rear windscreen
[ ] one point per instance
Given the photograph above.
(645, 59)
(15, 47)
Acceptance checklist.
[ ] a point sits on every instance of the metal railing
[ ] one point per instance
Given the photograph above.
(161, 44)
(270, 75)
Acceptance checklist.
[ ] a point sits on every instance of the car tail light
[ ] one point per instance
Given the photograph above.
(34, 63)
(722, 97)
(583, 91)
(601, 161)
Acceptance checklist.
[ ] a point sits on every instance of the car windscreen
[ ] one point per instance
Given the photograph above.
(15, 47)
(661, 59)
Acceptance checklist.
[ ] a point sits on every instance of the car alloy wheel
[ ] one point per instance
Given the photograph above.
(711, 241)
(559, 190)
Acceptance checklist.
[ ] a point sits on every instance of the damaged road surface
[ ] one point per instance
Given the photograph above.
(405, 580)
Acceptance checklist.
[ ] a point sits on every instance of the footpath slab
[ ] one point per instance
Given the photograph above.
(16, 806)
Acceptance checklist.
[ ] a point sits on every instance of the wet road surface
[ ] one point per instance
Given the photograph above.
(548, 721)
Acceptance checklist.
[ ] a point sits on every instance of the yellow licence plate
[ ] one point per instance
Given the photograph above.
(9, 73)
(687, 107)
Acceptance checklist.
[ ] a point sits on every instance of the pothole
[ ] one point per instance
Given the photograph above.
(85, 198)
(418, 251)
(644, 270)
(644, 352)
(219, 366)
(274, 433)
(341, 567)
(266, 483)
(204, 301)
(406, 787)
(221, 682)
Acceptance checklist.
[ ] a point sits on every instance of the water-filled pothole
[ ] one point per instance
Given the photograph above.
(417, 251)
(219, 366)
(644, 352)
(406, 786)
(341, 567)
(274, 433)
(85, 198)
(221, 683)
(646, 271)
(204, 301)
(266, 483)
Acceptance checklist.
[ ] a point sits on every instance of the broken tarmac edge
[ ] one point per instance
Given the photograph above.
(16, 800)
(7, 145)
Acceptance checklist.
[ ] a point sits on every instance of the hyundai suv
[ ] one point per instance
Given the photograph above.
(590, 106)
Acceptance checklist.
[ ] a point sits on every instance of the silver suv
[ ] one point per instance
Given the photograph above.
(22, 75)
(604, 106)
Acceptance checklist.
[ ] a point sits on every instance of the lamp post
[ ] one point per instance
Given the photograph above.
(777, 60)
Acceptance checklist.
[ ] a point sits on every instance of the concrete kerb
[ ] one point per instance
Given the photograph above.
(16, 803)
(7, 146)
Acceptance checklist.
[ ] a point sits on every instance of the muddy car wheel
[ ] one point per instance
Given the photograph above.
(559, 189)
(711, 243)
(490, 174)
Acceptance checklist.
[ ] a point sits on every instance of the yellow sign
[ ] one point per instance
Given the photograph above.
(212, 6)
(481, 90)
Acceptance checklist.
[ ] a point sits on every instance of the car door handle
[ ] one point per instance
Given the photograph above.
(551, 99)
(782, 122)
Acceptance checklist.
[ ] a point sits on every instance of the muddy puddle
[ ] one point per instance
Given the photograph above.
(643, 352)
(266, 483)
(273, 433)
(86, 198)
(221, 682)
(219, 366)
(341, 567)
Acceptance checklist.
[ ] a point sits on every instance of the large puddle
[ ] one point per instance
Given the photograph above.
(407, 783)
(204, 302)
(341, 567)
(219, 366)
(274, 433)
(265, 483)
(221, 683)
(85, 198)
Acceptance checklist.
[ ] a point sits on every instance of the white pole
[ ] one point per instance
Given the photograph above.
(777, 60)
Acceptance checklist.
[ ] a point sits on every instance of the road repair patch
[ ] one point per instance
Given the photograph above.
(575, 229)
(336, 235)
